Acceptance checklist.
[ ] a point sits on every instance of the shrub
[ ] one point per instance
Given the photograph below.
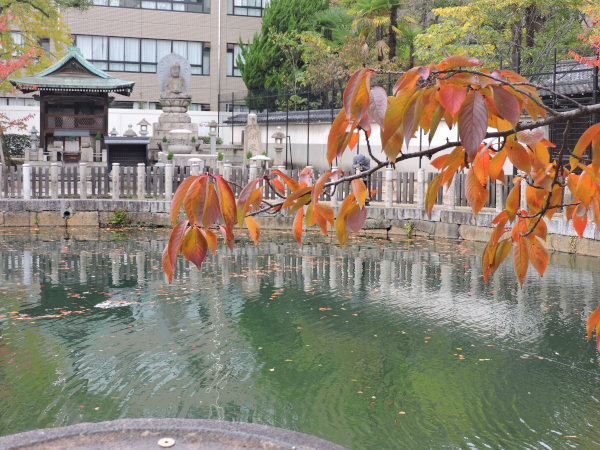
(170, 156)
(16, 143)
(219, 141)
(204, 139)
(220, 156)
(164, 139)
(193, 140)
(248, 154)
(98, 136)
(119, 218)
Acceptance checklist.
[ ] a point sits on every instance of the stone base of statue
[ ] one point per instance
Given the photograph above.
(181, 160)
(176, 125)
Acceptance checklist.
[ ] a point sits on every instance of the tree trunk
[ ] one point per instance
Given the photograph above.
(378, 40)
(531, 18)
(392, 32)
(515, 44)
(411, 57)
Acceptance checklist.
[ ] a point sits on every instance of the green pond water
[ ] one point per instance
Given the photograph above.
(378, 345)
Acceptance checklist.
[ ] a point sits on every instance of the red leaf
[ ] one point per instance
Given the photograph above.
(356, 217)
(360, 191)
(194, 200)
(174, 248)
(212, 210)
(472, 123)
(228, 236)
(592, 321)
(290, 182)
(452, 97)
(356, 94)
(166, 264)
(243, 203)
(475, 193)
(507, 104)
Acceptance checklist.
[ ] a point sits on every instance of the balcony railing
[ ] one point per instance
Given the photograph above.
(74, 121)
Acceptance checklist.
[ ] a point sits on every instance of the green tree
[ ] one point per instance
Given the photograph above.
(522, 32)
(262, 63)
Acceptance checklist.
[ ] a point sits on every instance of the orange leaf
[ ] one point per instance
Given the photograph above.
(360, 191)
(178, 198)
(194, 200)
(579, 218)
(243, 203)
(457, 61)
(336, 142)
(318, 187)
(289, 201)
(211, 240)
(586, 188)
(340, 221)
(278, 185)
(475, 193)
(586, 138)
(194, 247)
(174, 248)
(520, 257)
(166, 264)
(497, 164)
(472, 123)
(253, 229)
(212, 210)
(592, 321)
(518, 155)
(228, 236)
(356, 94)
(502, 251)
(538, 255)
(227, 202)
(432, 191)
(290, 182)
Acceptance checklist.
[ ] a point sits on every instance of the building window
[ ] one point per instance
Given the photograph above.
(141, 55)
(252, 8)
(196, 6)
(233, 51)
(199, 107)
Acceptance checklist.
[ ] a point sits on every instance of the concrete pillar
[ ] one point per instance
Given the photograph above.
(500, 200)
(116, 180)
(334, 198)
(389, 187)
(54, 180)
(26, 181)
(227, 171)
(523, 194)
(82, 180)
(195, 167)
(253, 174)
(450, 200)
(169, 172)
(141, 181)
(421, 188)
(104, 156)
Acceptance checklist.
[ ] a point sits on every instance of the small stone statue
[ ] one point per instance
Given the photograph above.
(252, 136)
(174, 85)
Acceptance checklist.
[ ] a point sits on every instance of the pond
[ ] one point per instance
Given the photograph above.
(377, 345)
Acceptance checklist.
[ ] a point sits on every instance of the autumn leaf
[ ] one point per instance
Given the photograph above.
(472, 123)
(356, 94)
(455, 61)
(173, 248)
(538, 255)
(506, 103)
(452, 97)
(378, 104)
(360, 191)
(243, 203)
(432, 191)
(520, 257)
(253, 229)
(180, 194)
(227, 202)
(194, 200)
(194, 247)
(297, 226)
(475, 193)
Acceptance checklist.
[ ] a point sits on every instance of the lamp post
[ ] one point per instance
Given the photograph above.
(143, 124)
(34, 139)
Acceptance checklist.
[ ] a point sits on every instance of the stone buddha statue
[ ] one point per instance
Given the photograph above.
(174, 85)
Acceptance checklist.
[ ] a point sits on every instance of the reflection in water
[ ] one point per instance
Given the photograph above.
(376, 345)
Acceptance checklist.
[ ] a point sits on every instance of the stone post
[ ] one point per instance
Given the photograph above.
(195, 167)
(26, 181)
(227, 171)
(54, 180)
(82, 180)
(450, 200)
(116, 180)
(389, 187)
(212, 132)
(141, 181)
(421, 188)
(500, 200)
(253, 171)
(334, 197)
(104, 156)
(1, 182)
(524, 193)
(169, 172)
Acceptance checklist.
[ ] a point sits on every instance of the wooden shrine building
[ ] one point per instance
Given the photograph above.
(74, 99)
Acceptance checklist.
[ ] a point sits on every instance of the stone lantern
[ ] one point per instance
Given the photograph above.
(279, 136)
(143, 124)
(114, 132)
(212, 132)
(33, 150)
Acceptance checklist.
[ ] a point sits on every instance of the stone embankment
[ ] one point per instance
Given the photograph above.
(457, 223)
